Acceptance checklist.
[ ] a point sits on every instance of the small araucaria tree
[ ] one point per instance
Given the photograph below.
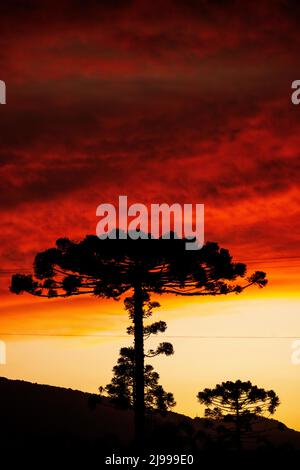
(238, 403)
(109, 268)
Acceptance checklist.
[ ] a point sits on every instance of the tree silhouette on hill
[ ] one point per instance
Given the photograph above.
(238, 403)
(121, 388)
(109, 268)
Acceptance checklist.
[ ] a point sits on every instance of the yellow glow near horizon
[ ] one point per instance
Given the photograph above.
(202, 333)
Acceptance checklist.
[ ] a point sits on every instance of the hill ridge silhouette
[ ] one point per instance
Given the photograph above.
(39, 414)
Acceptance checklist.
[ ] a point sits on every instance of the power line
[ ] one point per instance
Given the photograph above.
(8, 271)
(51, 335)
(272, 258)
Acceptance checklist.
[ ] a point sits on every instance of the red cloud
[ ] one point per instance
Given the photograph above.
(165, 102)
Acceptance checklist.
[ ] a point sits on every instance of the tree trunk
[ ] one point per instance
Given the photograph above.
(238, 429)
(139, 400)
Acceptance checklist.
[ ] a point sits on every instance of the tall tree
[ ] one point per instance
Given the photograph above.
(238, 402)
(109, 268)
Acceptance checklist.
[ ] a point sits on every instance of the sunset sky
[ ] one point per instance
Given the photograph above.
(175, 101)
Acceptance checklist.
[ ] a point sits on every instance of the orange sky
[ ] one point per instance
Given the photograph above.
(188, 102)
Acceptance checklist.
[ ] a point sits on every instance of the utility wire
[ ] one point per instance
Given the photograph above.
(50, 335)
(248, 260)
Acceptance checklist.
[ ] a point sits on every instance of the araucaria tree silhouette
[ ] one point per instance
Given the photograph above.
(238, 403)
(121, 388)
(109, 268)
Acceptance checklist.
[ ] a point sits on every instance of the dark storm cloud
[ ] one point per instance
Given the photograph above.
(169, 101)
